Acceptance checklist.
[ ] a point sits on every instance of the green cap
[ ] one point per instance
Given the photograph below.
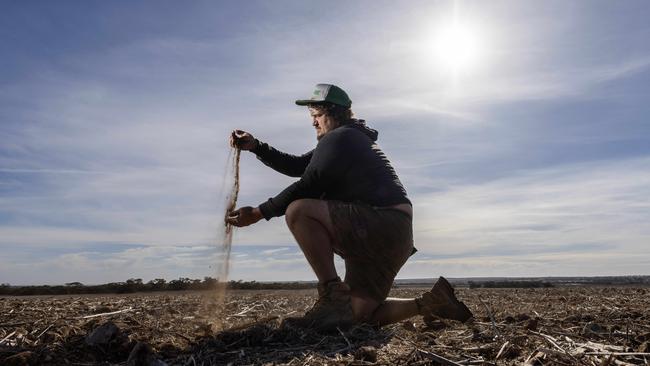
(327, 93)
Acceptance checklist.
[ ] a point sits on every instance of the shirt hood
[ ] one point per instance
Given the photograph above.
(360, 125)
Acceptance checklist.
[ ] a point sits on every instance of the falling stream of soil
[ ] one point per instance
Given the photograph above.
(231, 180)
(231, 203)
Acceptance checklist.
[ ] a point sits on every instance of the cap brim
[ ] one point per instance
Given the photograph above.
(309, 101)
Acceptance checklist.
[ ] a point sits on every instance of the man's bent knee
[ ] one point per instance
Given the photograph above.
(305, 207)
(295, 210)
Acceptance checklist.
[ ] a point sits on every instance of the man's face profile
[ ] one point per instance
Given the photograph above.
(321, 122)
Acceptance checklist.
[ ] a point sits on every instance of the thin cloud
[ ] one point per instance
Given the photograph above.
(274, 251)
(540, 211)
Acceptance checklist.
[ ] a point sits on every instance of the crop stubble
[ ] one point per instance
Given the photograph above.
(571, 326)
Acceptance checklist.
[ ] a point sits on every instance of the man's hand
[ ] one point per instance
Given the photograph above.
(244, 216)
(242, 140)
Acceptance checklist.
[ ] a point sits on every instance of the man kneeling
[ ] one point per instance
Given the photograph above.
(348, 201)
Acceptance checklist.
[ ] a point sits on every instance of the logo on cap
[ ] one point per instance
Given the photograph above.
(327, 93)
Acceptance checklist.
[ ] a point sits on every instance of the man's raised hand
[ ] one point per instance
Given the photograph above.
(242, 140)
(244, 216)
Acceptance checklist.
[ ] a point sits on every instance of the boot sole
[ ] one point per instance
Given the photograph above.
(460, 311)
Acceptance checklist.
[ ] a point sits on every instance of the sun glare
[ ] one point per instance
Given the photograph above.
(456, 47)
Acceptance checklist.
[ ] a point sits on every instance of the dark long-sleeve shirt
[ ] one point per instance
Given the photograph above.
(346, 165)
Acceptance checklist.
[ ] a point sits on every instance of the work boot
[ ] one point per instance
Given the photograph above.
(442, 302)
(331, 310)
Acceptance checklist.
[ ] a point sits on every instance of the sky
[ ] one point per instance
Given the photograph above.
(523, 141)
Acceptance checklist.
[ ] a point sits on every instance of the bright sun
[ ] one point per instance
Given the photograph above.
(456, 47)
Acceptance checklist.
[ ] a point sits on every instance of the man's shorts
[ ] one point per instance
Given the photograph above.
(374, 243)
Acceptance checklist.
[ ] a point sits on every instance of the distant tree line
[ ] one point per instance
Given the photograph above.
(509, 284)
(635, 280)
(137, 285)
(605, 281)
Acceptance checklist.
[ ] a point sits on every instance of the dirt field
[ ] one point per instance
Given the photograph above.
(565, 326)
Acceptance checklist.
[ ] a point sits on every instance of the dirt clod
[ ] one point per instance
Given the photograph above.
(594, 329)
(433, 323)
(532, 324)
(143, 355)
(19, 359)
(103, 334)
(366, 353)
(408, 325)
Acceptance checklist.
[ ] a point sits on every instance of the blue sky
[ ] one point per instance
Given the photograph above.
(114, 117)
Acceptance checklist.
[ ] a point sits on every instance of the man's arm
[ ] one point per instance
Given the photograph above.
(287, 164)
(291, 165)
(328, 164)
